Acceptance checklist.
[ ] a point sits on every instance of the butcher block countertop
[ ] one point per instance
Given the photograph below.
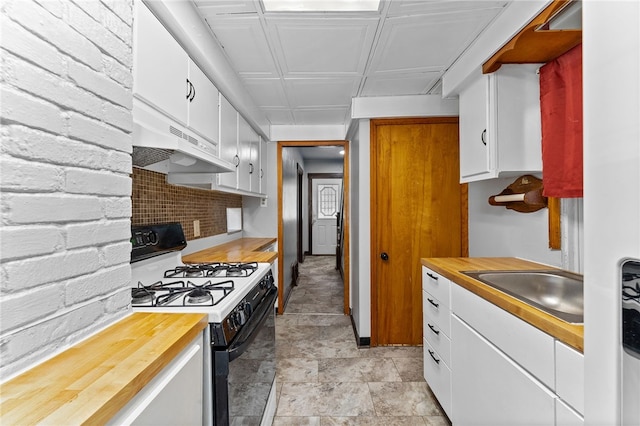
(451, 267)
(240, 250)
(93, 380)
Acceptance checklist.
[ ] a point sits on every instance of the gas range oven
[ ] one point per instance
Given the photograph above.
(238, 299)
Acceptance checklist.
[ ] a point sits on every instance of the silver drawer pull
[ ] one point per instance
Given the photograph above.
(432, 356)
(433, 329)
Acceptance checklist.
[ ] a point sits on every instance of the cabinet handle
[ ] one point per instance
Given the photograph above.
(433, 277)
(433, 303)
(261, 173)
(250, 168)
(483, 137)
(432, 356)
(236, 160)
(193, 95)
(433, 329)
(189, 88)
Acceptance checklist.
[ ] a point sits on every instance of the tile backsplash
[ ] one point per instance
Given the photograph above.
(155, 201)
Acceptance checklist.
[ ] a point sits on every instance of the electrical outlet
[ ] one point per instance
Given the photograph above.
(196, 228)
(263, 202)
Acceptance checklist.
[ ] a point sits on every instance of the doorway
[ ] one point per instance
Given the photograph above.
(324, 206)
(418, 209)
(285, 240)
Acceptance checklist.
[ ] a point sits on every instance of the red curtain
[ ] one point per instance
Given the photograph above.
(561, 114)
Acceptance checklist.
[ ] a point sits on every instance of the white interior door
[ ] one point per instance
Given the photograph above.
(325, 206)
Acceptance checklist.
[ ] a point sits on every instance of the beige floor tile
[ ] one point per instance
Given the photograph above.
(403, 399)
(297, 370)
(325, 379)
(325, 399)
(372, 421)
(357, 370)
(437, 421)
(296, 421)
(410, 369)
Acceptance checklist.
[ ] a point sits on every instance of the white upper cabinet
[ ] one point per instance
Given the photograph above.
(160, 66)
(228, 146)
(500, 124)
(263, 166)
(245, 137)
(203, 103)
(166, 78)
(254, 163)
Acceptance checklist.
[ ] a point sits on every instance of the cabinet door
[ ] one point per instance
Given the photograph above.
(203, 104)
(263, 166)
(159, 66)
(474, 128)
(488, 388)
(228, 143)
(181, 380)
(244, 147)
(254, 162)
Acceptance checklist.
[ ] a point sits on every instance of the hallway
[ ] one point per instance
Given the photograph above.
(325, 379)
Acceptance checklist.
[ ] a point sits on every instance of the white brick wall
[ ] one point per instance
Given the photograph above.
(65, 109)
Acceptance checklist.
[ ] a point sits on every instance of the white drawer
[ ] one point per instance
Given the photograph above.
(437, 285)
(438, 377)
(528, 346)
(438, 340)
(570, 376)
(435, 312)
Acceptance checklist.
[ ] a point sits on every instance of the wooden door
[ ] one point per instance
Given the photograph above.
(417, 208)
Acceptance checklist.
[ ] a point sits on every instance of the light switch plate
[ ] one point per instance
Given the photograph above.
(196, 228)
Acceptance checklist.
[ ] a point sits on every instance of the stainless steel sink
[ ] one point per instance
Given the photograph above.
(558, 293)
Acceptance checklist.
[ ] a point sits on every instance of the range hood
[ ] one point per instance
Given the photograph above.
(162, 145)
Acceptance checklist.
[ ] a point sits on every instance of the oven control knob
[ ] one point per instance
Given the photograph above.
(248, 310)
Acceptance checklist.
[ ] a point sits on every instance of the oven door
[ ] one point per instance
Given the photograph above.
(245, 372)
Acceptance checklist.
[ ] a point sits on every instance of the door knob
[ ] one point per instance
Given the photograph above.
(384, 256)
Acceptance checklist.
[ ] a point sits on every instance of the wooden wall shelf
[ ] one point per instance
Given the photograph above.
(536, 46)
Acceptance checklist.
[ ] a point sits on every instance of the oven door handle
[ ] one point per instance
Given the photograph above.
(252, 327)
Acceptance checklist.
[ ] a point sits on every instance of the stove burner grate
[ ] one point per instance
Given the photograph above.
(162, 294)
(206, 270)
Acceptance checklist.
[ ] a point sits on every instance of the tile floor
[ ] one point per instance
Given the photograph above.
(325, 379)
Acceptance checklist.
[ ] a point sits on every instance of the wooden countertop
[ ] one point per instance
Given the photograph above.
(240, 250)
(571, 334)
(91, 381)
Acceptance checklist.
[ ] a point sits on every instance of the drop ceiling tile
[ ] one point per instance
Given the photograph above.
(310, 92)
(400, 84)
(209, 8)
(426, 43)
(423, 7)
(266, 92)
(245, 44)
(320, 116)
(322, 46)
(278, 116)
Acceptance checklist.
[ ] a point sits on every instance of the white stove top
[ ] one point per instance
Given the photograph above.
(151, 271)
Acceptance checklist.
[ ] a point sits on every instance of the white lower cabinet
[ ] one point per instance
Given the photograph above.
(488, 388)
(566, 416)
(174, 396)
(488, 367)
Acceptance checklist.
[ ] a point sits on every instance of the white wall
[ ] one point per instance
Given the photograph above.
(497, 231)
(359, 222)
(611, 66)
(66, 143)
